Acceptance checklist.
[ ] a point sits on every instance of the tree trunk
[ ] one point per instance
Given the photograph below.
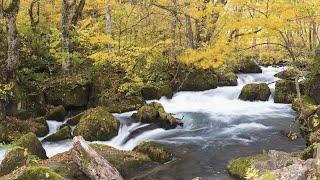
(11, 17)
(108, 20)
(78, 13)
(65, 47)
(2, 110)
(91, 163)
(189, 32)
(174, 29)
(314, 35)
(34, 20)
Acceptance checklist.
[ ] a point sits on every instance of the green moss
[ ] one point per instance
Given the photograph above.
(309, 151)
(147, 114)
(32, 143)
(75, 119)
(239, 166)
(97, 124)
(14, 158)
(253, 92)
(155, 151)
(247, 65)
(285, 91)
(40, 173)
(57, 113)
(62, 134)
(200, 80)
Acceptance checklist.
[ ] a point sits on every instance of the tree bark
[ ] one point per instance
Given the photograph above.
(108, 20)
(78, 12)
(34, 20)
(91, 163)
(2, 110)
(189, 32)
(65, 47)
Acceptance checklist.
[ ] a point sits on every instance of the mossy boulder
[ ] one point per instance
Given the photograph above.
(200, 80)
(285, 91)
(315, 88)
(32, 144)
(119, 103)
(248, 65)
(68, 91)
(155, 151)
(40, 173)
(255, 92)
(61, 134)
(155, 113)
(74, 120)
(288, 74)
(11, 128)
(150, 92)
(227, 79)
(97, 124)
(56, 113)
(14, 158)
(126, 162)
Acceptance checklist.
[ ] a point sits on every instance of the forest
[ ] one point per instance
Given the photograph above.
(160, 89)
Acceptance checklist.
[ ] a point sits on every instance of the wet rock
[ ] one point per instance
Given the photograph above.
(14, 159)
(200, 80)
(155, 113)
(155, 151)
(285, 91)
(56, 113)
(119, 103)
(315, 88)
(288, 74)
(97, 124)
(248, 66)
(61, 134)
(32, 144)
(75, 119)
(150, 92)
(255, 92)
(40, 173)
(126, 162)
(227, 79)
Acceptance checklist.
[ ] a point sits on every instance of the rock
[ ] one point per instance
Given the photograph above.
(40, 173)
(91, 163)
(32, 144)
(72, 92)
(12, 128)
(56, 113)
(227, 79)
(200, 80)
(62, 134)
(288, 74)
(119, 103)
(75, 119)
(150, 92)
(155, 151)
(249, 66)
(285, 91)
(315, 88)
(255, 92)
(97, 124)
(14, 159)
(155, 113)
(126, 162)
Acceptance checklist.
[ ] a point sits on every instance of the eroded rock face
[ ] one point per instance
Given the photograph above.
(255, 92)
(285, 91)
(249, 66)
(97, 124)
(200, 80)
(32, 144)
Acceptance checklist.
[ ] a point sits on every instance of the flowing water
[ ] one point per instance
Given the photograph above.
(217, 127)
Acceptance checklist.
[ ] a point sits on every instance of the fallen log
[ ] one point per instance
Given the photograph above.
(91, 163)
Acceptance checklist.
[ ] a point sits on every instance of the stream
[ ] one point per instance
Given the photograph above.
(217, 128)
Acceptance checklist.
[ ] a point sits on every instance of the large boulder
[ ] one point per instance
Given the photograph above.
(288, 74)
(97, 124)
(56, 113)
(255, 92)
(248, 66)
(61, 134)
(14, 159)
(155, 113)
(200, 80)
(315, 88)
(119, 103)
(227, 79)
(150, 92)
(155, 151)
(32, 144)
(12, 128)
(285, 91)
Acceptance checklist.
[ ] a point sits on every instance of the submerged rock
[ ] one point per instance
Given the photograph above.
(97, 124)
(56, 113)
(61, 134)
(249, 66)
(200, 80)
(255, 92)
(14, 158)
(32, 144)
(155, 113)
(155, 151)
(285, 91)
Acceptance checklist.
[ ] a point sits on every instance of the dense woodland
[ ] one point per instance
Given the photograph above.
(93, 58)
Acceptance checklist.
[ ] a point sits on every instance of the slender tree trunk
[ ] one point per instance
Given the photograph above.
(65, 47)
(108, 20)
(78, 13)
(314, 35)
(34, 19)
(2, 110)
(189, 32)
(174, 30)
